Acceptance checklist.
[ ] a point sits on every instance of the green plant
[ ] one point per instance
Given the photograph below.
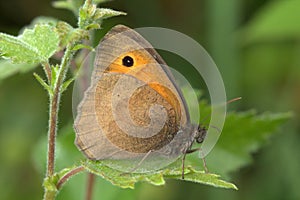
(47, 37)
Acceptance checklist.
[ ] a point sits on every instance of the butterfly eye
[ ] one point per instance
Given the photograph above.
(128, 61)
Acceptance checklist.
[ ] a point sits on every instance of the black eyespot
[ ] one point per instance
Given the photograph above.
(127, 61)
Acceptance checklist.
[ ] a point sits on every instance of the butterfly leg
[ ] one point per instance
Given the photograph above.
(203, 158)
(182, 166)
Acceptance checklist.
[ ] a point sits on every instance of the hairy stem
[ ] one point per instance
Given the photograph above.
(53, 119)
(90, 186)
(54, 108)
(49, 195)
(54, 101)
(68, 175)
(48, 72)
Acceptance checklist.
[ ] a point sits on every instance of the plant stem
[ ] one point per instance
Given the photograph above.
(48, 72)
(53, 118)
(68, 175)
(90, 186)
(50, 194)
(53, 110)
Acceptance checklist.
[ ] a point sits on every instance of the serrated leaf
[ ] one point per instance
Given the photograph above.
(8, 69)
(64, 29)
(43, 20)
(90, 17)
(249, 130)
(104, 13)
(40, 20)
(68, 34)
(43, 38)
(200, 177)
(33, 46)
(157, 178)
(73, 5)
(243, 134)
(17, 50)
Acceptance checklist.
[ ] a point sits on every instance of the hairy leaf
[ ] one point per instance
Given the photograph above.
(244, 133)
(90, 17)
(68, 34)
(33, 46)
(157, 178)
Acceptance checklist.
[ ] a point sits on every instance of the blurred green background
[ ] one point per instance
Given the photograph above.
(255, 44)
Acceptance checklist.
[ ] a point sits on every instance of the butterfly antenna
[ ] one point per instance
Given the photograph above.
(228, 102)
(215, 128)
(233, 100)
(200, 128)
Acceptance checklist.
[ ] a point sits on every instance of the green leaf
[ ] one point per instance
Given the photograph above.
(244, 133)
(104, 13)
(8, 69)
(82, 46)
(253, 130)
(200, 177)
(33, 46)
(42, 20)
(68, 34)
(72, 5)
(43, 83)
(64, 29)
(51, 183)
(67, 83)
(275, 21)
(100, 1)
(54, 70)
(90, 17)
(122, 180)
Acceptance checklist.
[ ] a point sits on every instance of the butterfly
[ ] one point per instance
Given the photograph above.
(133, 112)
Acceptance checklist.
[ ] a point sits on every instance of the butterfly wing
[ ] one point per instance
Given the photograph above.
(128, 111)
